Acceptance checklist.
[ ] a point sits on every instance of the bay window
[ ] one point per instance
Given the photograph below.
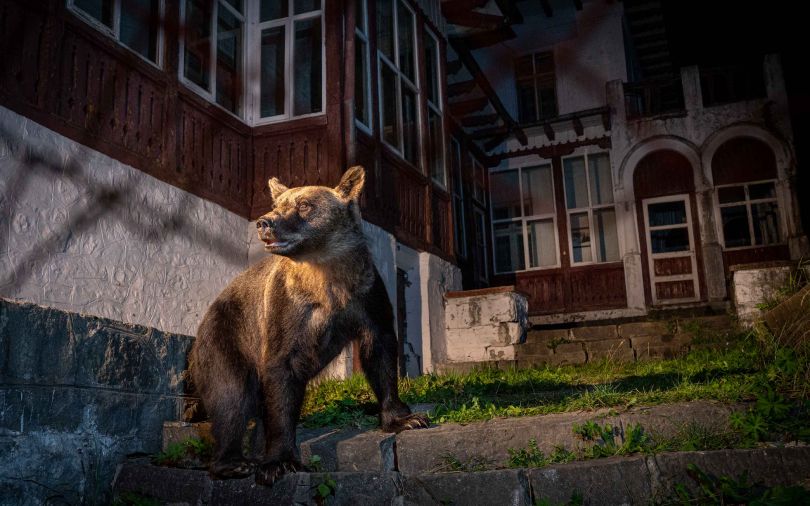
(133, 23)
(590, 208)
(523, 219)
(396, 59)
(749, 213)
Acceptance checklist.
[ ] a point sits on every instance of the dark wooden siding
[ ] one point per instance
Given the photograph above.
(743, 159)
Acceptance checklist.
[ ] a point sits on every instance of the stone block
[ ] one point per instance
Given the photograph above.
(571, 358)
(177, 432)
(663, 352)
(502, 352)
(617, 480)
(674, 340)
(754, 286)
(324, 444)
(547, 336)
(638, 329)
(470, 345)
(594, 332)
(370, 451)
(164, 484)
(566, 348)
(534, 349)
(506, 486)
(494, 308)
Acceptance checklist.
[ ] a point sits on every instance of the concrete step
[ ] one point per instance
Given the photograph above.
(617, 480)
(485, 444)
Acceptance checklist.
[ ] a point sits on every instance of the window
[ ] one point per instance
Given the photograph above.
(435, 144)
(134, 23)
(591, 213)
(285, 53)
(362, 70)
(458, 199)
(396, 55)
(479, 182)
(291, 62)
(523, 219)
(536, 87)
(750, 214)
(481, 247)
(213, 49)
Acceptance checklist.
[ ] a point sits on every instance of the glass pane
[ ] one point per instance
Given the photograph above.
(735, 226)
(544, 63)
(548, 101)
(229, 60)
(580, 238)
(604, 231)
(302, 6)
(667, 213)
(385, 28)
(731, 194)
(388, 104)
(601, 182)
(458, 223)
(766, 223)
(508, 244)
(479, 186)
(761, 191)
(197, 53)
(360, 15)
(410, 149)
(139, 26)
(505, 195)
(527, 107)
(481, 257)
(307, 81)
(576, 186)
(431, 69)
(273, 9)
(538, 191)
(436, 148)
(542, 243)
(455, 167)
(272, 72)
(406, 48)
(98, 9)
(236, 4)
(670, 240)
(361, 105)
(524, 67)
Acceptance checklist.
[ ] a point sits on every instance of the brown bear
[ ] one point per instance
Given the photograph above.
(284, 319)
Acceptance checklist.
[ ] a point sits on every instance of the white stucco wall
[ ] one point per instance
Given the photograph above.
(83, 232)
(437, 278)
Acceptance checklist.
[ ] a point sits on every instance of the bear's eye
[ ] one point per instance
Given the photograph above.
(304, 207)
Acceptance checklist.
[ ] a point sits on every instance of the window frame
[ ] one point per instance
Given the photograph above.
(534, 79)
(457, 183)
(589, 209)
(256, 28)
(115, 31)
(437, 109)
(481, 243)
(748, 202)
(523, 219)
(363, 35)
(211, 96)
(381, 60)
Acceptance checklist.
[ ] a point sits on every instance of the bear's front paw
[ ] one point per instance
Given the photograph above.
(267, 473)
(231, 469)
(413, 421)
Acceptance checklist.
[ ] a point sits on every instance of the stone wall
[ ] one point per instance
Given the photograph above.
(77, 394)
(754, 285)
(83, 232)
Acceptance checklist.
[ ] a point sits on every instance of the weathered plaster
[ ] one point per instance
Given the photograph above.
(83, 232)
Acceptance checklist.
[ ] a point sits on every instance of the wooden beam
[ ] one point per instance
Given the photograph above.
(473, 19)
(510, 11)
(489, 38)
(486, 133)
(546, 5)
(465, 107)
(478, 120)
(454, 66)
(495, 142)
(578, 4)
(549, 130)
(465, 55)
(461, 87)
(578, 126)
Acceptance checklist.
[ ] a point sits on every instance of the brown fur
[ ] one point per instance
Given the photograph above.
(283, 320)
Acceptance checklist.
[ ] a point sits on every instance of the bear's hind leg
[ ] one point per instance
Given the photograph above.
(232, 406)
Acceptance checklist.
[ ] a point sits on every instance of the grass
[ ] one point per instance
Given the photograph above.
(728, 375)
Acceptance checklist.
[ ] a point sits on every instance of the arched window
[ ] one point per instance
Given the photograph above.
(744, 173)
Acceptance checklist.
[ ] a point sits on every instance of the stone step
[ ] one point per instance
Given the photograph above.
(484, 443)
(618, 480)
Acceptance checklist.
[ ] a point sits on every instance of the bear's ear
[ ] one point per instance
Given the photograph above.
(351, 184)
(276, 188)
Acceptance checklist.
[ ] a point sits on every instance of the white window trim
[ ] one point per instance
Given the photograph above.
(476, 166)
(526, 219)
(479, 215)
(363, 35)
(289, 54)
(401, 78)
(692, 253)
(211, 96)
(437, 108)
(115, 31)
(748, 202)
(461, 243)
(589, 210)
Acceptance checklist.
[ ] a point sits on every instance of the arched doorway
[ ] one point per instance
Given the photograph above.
(664, 187)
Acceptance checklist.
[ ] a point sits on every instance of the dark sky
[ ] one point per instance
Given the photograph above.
(717, 31)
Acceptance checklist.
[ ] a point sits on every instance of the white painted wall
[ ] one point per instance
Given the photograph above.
(83, 232)
(436, 278)
(408, 260)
